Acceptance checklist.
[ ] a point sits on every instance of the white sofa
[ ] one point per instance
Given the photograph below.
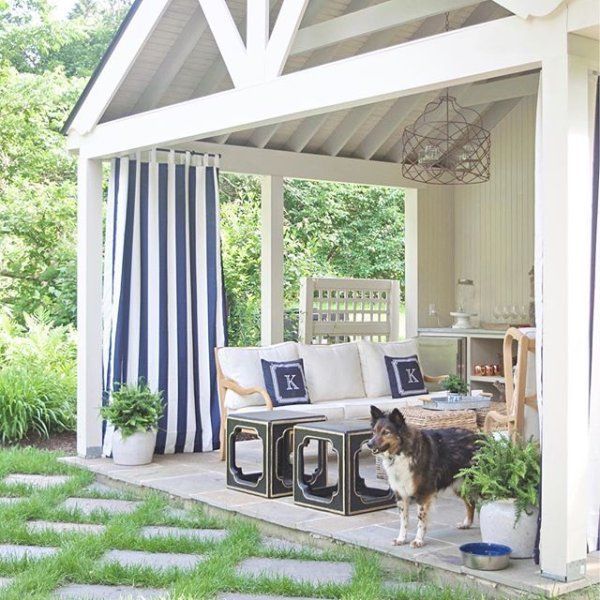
(343, 380)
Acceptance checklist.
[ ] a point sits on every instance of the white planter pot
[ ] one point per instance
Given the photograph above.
(497, 521)
(136, 449)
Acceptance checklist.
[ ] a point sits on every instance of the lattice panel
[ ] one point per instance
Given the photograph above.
(334, 310)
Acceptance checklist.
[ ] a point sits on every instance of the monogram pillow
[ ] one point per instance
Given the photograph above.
(405, 376)
(285, 382)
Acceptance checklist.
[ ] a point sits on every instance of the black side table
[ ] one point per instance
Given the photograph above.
(275, 429)
(350, 494)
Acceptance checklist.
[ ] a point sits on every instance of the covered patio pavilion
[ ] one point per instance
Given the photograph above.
(323, 89)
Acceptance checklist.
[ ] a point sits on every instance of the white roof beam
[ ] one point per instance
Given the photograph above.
(304, 133)
(502, 89)
(283, 36)
(506, 46)
(386, 15)
(173, 61)
(228, 40)
(302, 165)
(346, 129)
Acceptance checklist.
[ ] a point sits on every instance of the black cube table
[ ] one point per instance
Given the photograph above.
(350, 495)
(275, 430)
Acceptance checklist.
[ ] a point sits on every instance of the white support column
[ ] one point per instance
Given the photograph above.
(411, 262)
(89, 307)
(566, 192)
(271, 268)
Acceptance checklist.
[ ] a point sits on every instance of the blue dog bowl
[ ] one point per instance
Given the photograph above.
(485, 557)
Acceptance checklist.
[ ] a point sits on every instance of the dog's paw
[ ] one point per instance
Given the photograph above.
(417, 544)
(463, 525)
(399, 542)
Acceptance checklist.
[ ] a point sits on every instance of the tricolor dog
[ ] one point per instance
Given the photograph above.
(419, 464)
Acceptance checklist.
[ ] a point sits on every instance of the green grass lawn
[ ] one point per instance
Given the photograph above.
(78, 559)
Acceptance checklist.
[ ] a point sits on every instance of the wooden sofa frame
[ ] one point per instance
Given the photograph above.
(224, 384)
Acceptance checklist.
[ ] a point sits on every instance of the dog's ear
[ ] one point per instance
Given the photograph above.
(397, 418)
(375, 413)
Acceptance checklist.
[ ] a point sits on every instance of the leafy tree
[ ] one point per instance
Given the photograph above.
(330, 229)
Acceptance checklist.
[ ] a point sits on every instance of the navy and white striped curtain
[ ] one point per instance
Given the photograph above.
(163, 300)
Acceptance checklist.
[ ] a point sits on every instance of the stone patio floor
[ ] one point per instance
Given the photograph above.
(201, 478)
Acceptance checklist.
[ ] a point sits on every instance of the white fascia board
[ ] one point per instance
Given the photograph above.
(504, 46)
(118, 64)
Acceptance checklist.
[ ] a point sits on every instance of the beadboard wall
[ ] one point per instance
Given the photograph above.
(435, 254)
(494, 221)
(484, 232)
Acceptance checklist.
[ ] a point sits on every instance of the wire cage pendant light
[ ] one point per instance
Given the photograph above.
(446, 145)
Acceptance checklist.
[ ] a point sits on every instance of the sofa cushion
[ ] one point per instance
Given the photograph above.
(244, 367)
(332, 372)
(285, 382)
(333, 411)
(372, 362)
(235, 401)
(360, 408)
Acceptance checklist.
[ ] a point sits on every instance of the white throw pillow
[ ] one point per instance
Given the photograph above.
(332, 372)
(244, 367)
(372, 361)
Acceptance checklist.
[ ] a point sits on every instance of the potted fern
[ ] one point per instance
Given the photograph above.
(134, 412)
(505, 479)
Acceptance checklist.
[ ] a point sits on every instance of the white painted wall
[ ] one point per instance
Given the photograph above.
(435, 243)
(494, 226)
(484, 232)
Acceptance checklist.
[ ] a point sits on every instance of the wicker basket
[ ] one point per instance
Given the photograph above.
(440, 419)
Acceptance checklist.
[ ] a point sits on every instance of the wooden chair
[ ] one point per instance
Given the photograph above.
(516, 385)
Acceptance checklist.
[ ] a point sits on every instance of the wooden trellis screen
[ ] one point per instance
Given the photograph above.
(334, 310)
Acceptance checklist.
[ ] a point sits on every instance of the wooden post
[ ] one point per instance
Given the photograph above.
(271, 271)
(89, 307)
(565, 180)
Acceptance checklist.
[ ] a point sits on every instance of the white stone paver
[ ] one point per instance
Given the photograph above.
(100, 488)
(17, 552)
(272, 543)
(300, 571)
(9, 501)
(181, 532)
(90, 505)
(36, 481)
(153, 560)
(5, 582)
(108, 592)
(61, 527)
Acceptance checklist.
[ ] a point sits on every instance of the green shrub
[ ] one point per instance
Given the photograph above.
(504, 470)
(38, 380)
(133, 408)
(455, 385)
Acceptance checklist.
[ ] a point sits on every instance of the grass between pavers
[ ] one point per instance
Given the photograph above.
(79, 558)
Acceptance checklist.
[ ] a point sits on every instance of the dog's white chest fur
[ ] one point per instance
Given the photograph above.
(399, 475)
